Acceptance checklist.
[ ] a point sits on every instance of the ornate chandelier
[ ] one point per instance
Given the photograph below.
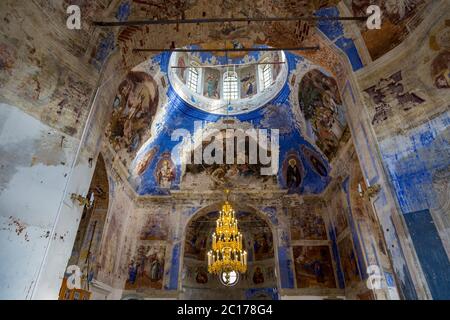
(227, 257)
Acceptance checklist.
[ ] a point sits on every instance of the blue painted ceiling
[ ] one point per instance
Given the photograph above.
(277, 114)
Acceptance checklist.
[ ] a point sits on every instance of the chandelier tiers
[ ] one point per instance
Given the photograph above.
(227, 253)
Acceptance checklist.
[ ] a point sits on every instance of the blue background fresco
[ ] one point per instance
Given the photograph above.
(412, 162)
(182, 115)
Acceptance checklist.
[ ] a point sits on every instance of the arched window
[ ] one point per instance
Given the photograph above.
(193, 78)
(267, 77)
(230, 85)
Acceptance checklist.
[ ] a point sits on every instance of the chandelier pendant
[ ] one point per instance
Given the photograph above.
(227, 255)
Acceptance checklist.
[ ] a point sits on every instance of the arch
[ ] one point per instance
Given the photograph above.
(255, 266)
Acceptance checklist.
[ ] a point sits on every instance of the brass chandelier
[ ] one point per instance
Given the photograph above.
(227, 257)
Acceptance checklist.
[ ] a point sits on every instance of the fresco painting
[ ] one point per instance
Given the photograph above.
(134, 107)
(147, 269)
(306, 224)
(165, 171)
(340, 216)
(258, 275)
(399, 19)
(389, 96)
(155, 228)
(181, 64)
(440, 70)
(315, 161)
(321, 106)
(293, 171)
(313, 267)
(211, 83)
(348, 261)
(248, 82)
(144, 162)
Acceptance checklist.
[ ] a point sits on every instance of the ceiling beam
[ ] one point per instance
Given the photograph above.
(219, 20)
(228, 65)
(314, 48)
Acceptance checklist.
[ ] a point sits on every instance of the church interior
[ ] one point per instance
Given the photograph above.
(217, 150)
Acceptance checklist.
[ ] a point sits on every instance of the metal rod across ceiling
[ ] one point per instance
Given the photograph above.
(228, 65)
(225, 49)
(219, 20)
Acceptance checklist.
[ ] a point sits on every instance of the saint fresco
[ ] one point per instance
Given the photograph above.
(211, 83)
(165, 172)
(293, 172)
(248, 82)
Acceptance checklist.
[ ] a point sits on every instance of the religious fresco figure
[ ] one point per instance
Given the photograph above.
(155, 273)
(348, 260)
(440, 70)
(258, 276)
(201, 276)
(248, 85)
(132, 272)
(315, 161)
(149, 270)
(134, 107)
(313, 267)
(144, 162)
(276, 66)
(181, 68)
(211, 84)
(293, 176)
(165, 173)
(400, 17)
(321, 105)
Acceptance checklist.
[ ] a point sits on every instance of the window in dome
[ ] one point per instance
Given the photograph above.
(267, 77)
(230, 85)
(193, 78)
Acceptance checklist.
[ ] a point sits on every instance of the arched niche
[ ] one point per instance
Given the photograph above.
(260, 280)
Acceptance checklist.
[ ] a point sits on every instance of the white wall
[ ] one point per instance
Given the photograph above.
(35, 162)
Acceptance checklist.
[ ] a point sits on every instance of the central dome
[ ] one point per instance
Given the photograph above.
(227, 86)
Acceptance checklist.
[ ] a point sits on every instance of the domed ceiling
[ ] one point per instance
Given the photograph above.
(200, 79)
(306, 110)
